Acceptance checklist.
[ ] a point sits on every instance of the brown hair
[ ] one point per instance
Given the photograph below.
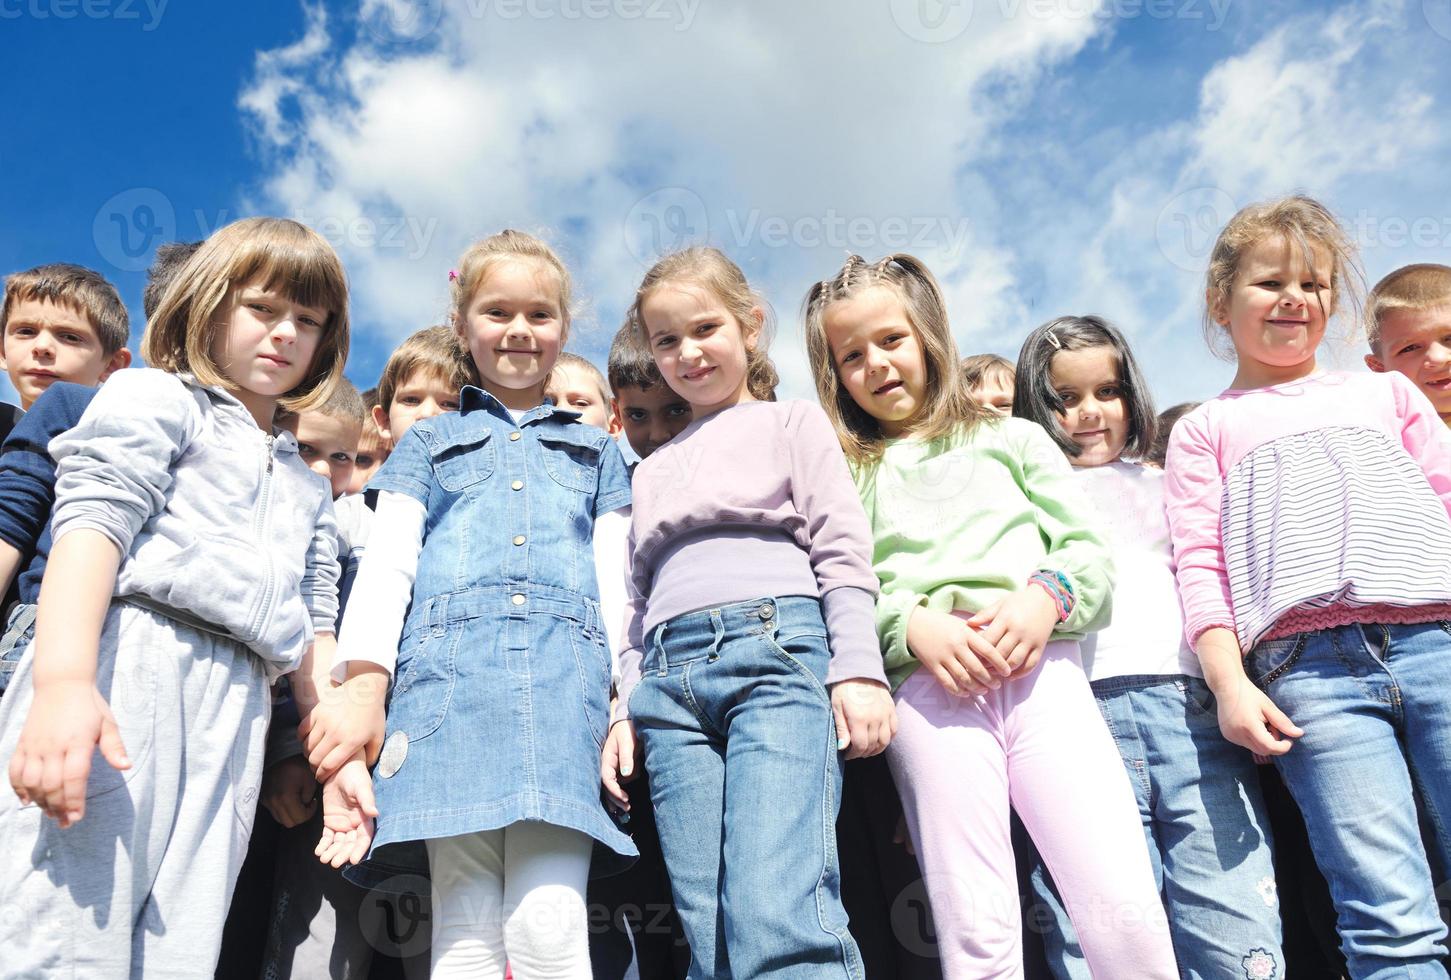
(284, 256)
(345, 404)
(163, 269)
(977, 369)
(1303, 222)
(84, 290)
(569, 359)
(711, 270)
(433, 349)
(946, 402)
(1411, 287)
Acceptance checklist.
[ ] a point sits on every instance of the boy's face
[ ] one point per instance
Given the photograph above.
(329, 447)
(421, 395)
(578, 390)
(373, 449)
(995, 393)
(45, 343)
(1417, 343)
(650, 417)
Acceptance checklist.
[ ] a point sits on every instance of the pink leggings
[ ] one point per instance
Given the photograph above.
(1040, 744)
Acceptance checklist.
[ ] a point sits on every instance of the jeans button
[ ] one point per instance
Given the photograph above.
(765, 611)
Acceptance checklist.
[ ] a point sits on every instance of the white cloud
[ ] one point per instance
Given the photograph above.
(769, 116)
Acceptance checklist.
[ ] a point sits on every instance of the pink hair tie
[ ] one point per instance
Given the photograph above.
(452, 275)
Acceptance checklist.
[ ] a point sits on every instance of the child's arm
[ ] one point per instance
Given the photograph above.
(841, 556)
(1072, 593)
(27, 474)
(113, 473)
(1247, 716)
(621, 751)
(611, 533)
(68, 718)
(1424, 435)
(349, 716)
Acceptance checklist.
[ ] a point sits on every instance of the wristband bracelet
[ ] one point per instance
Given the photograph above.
(1059, 589)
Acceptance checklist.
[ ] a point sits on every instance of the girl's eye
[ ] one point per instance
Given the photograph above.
(705, 328)
(1108, 391)
(848, 358)
(364, 460)
(895, 338)
(450, 406)
(1068, 398)
(664, 341)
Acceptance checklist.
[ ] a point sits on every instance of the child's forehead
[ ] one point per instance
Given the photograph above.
(1406, 324)
(49, 313)
(630, 396)
(425, 376)
(325, 425)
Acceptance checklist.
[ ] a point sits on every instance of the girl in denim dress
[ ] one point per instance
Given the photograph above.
(497, 671)
(750, 665)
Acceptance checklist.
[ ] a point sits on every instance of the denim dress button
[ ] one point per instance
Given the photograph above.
(518, 599)
(517, 485)
(519, 539)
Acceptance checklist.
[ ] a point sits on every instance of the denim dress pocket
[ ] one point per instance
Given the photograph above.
(572, 456)
(420, 696)
(1269, 660)
(461, 460)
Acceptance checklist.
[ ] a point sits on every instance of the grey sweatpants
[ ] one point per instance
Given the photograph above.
(141, 885)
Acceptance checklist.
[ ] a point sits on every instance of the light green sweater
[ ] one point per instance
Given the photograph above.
(964, 520)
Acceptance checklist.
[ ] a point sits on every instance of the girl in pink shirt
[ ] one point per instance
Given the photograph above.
(1309, 516)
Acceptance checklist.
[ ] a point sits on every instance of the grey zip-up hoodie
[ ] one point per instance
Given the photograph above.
(222, 525)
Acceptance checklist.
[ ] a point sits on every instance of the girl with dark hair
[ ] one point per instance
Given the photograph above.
(1198, 794)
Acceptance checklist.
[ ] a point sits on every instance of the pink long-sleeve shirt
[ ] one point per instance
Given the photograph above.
(1314, 503)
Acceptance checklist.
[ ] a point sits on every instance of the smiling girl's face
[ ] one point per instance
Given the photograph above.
(698, 345)
(1094, 415)
(878, 357)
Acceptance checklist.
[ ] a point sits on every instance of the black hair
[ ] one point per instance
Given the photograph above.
(1167, 418)
(630, 364)
(1035, 399)
(168, 262)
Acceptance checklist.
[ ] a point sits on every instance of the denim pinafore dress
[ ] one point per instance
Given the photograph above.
(500, 698)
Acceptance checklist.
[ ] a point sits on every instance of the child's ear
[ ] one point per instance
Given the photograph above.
(1375, 364)
(380, 419)
(753, 329)
(119, 361)
(1217, 312)
(617, 418)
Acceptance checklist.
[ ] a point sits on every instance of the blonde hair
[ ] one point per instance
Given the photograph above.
(711, 270)
(979, 369)
(946, 402)
(569, 359)
(1411, 287)
(508, 245)
(286, 257)
(436, 350)
(1303, 222)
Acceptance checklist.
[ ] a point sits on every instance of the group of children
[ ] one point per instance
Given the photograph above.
(486, 678)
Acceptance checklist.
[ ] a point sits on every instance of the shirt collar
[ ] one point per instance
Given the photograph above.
(473, 398)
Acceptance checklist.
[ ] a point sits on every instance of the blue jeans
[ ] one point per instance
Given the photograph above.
(741, 749)
(1375, 704)
(18, 630)
(1207, 830)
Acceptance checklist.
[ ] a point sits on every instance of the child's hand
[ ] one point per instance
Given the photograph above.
(900, 836)
(619, 761)
(1019, 627)
(349, 717)
(67, 721)
(1248, 718)
(962, 659)
(289, 792)
(348, 812)
(866, 717)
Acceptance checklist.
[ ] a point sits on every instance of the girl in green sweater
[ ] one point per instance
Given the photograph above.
(989, 576)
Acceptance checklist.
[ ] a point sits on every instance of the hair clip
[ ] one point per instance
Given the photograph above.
(1053, 339)
(453, 275)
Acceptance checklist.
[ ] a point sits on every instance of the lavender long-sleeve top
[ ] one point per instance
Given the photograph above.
(752, 501)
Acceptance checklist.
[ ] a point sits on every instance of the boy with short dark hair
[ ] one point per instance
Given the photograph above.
(642, 405)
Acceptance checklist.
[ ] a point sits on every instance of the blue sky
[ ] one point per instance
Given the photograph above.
(1044, 156)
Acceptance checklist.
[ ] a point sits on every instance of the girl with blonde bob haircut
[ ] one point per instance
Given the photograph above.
(194, 561)
(282, 256)
(990, 573)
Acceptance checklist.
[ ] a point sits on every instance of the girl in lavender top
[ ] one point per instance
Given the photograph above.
(750, 666)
